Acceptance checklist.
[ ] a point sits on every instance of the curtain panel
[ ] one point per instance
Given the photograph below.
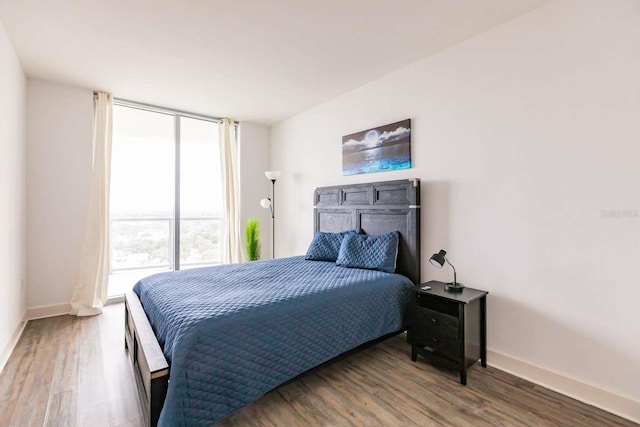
(90, 293)
(232, 236)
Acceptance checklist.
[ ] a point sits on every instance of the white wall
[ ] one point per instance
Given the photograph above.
(59, 138)
(12, 195)
(254, 161)
(522, 137)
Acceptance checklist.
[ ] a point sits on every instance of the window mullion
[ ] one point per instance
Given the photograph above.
(176, 209)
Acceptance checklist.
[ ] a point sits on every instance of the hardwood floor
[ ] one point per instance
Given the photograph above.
(69, 371)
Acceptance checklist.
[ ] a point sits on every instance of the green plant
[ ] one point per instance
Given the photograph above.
(252, 236)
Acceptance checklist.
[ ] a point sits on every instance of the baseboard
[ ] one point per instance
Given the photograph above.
(13, 340)
(43, 311)
(604, 399)
(115, 300)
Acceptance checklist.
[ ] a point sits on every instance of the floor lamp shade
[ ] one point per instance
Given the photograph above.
(273, 175)
(265, 203)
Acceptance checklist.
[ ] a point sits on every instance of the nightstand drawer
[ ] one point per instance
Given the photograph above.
(446, 347)
(437, 332)
(434, 324)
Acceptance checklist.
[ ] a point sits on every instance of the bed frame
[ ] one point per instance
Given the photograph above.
(377, 207)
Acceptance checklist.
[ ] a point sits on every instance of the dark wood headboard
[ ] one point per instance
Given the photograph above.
(376, 207)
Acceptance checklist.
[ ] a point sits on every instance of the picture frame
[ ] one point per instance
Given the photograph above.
(379, 149)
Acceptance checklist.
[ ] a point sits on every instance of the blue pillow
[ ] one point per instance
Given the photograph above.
(325, 246)
(373, 252)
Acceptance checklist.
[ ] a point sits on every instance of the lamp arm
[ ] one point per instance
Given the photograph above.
(455, 280)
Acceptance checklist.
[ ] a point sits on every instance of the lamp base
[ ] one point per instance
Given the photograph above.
(453, 287)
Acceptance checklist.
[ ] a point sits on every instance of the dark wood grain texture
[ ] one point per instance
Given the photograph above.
(448, 327)
(375, 207)
(376, 386)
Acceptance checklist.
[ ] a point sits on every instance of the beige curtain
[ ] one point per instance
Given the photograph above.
(232, 238)
(90, 293)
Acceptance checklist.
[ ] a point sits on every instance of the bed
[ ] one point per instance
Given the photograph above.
(206, 342)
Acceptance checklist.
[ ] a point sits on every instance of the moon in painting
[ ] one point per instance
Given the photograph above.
(371, 138)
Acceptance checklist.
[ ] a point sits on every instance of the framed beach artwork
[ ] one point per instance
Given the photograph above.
(384, 148)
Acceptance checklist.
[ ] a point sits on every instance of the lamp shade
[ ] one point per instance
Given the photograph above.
(265, 203)
(438, 259)
(273, 175)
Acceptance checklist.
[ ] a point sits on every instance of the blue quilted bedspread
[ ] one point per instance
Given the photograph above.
(232, 333)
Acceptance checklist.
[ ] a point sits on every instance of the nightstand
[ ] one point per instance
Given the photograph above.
(449, 328)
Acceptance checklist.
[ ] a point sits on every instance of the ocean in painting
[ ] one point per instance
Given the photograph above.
(377, 160)
(380, 149)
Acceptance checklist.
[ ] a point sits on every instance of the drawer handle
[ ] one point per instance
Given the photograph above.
(434, 320)
(435, 339)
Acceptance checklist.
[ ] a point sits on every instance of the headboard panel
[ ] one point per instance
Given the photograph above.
(377, 207)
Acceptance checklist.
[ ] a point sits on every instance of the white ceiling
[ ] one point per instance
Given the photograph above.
(254, 60)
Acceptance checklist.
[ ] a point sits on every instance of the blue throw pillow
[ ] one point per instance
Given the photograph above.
(373, 252)
(325, 246)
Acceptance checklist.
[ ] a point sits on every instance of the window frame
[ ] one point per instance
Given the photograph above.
(177, 115)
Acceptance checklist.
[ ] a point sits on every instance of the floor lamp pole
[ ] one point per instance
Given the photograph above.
(271, 203)
(273, 218)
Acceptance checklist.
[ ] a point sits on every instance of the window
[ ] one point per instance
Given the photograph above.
(166, 193)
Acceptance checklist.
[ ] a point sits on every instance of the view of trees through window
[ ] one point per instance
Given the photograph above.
(144, 177)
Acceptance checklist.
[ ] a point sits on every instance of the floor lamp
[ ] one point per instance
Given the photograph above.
(270, 203)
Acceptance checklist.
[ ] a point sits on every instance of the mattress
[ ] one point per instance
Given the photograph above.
(231, 333)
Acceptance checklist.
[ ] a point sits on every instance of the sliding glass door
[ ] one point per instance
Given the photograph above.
(200, 194)
(166, 194)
